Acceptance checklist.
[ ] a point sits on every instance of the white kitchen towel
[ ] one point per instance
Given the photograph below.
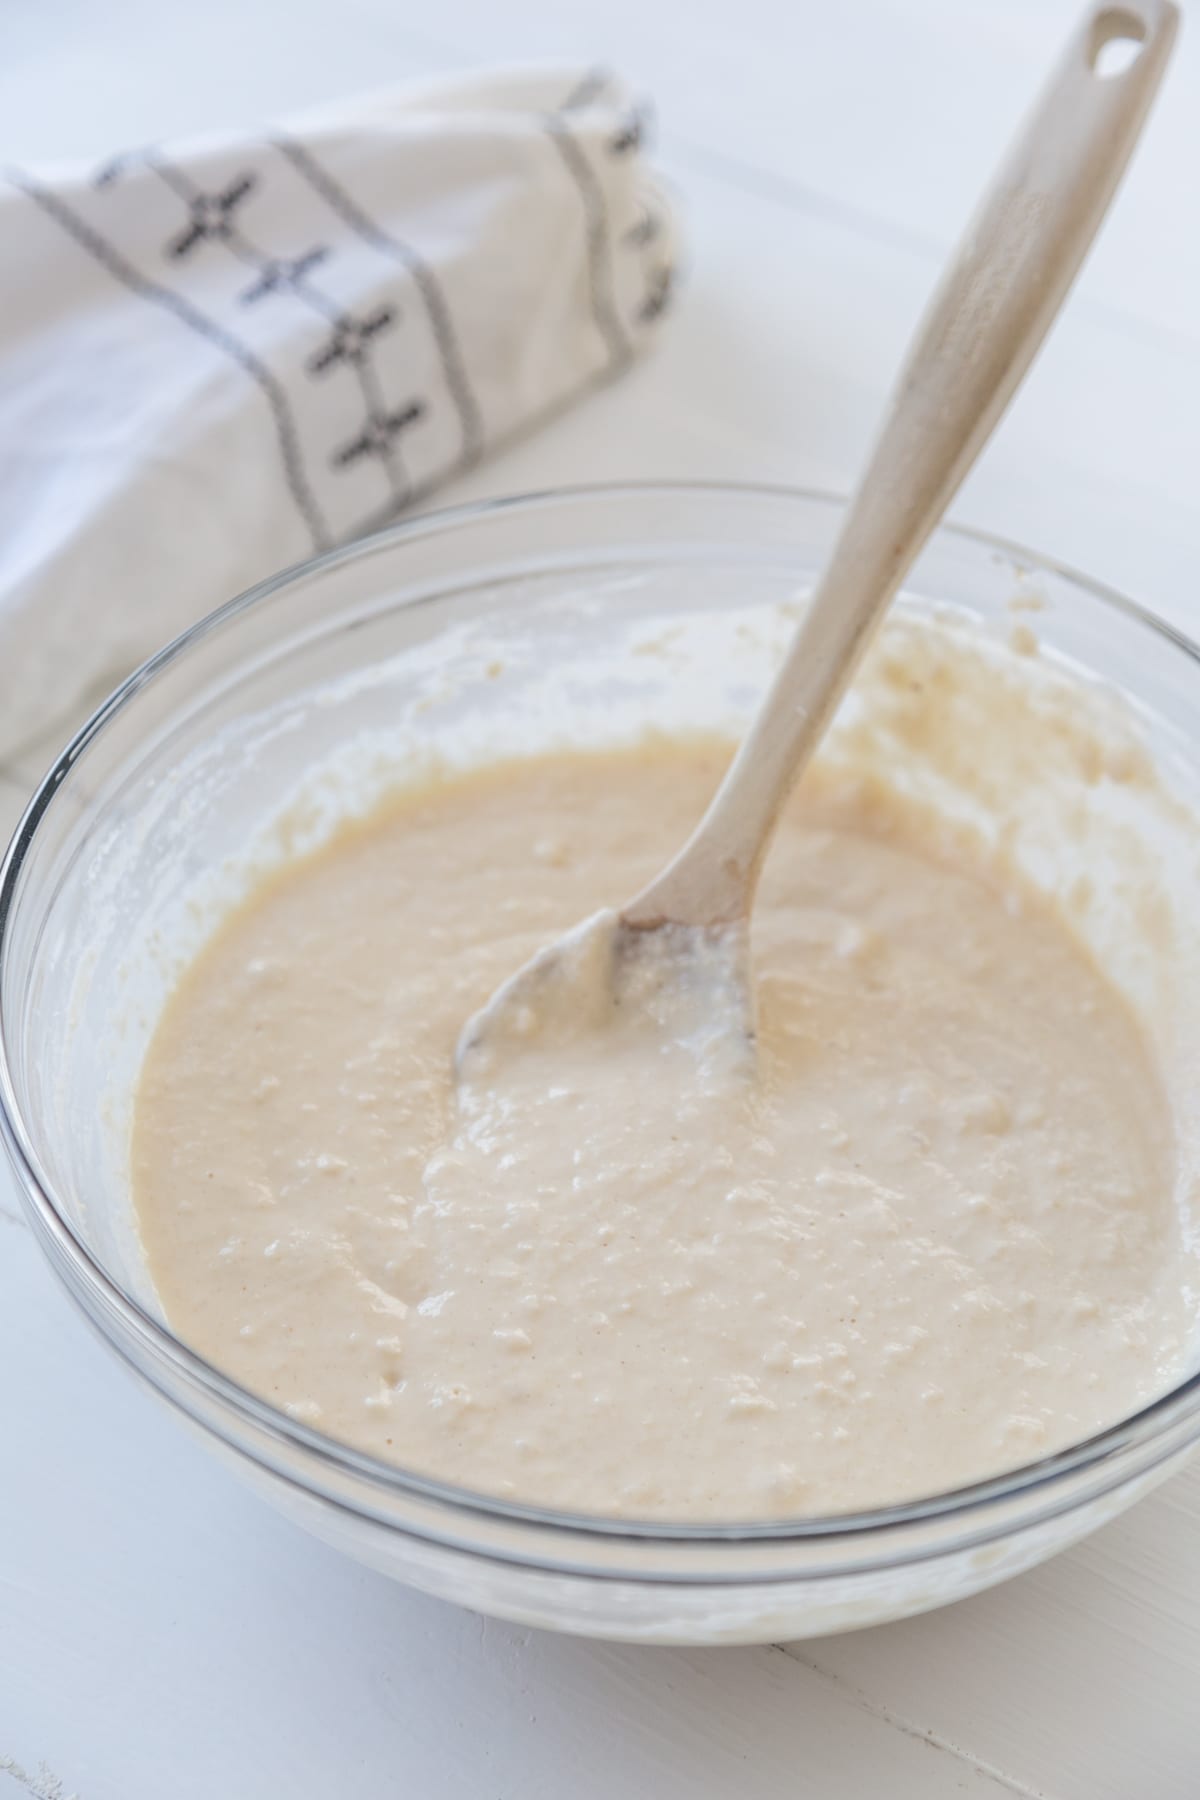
(218, 358)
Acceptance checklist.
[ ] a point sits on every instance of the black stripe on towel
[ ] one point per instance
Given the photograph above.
(595, 218)
(426, 283)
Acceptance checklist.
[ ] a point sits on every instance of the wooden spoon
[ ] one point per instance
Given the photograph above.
(680, 947)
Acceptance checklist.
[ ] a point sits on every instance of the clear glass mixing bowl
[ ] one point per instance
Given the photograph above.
(137, 827)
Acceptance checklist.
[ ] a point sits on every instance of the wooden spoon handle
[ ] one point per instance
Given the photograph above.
(978, 338)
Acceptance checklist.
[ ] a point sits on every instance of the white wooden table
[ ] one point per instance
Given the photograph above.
(161, 1633)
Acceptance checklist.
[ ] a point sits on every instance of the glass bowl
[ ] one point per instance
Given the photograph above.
(452, 628)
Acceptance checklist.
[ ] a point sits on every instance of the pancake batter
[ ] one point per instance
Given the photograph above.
(934, 1237)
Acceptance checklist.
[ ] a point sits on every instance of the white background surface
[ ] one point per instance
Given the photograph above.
(161, 1633)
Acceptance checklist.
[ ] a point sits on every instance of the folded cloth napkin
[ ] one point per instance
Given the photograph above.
(218, 358)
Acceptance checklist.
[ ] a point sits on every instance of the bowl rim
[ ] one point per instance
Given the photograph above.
(77, 1267)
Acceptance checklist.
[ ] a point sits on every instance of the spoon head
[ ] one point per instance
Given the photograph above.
(607, 985)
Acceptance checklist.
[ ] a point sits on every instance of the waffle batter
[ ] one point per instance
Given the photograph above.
(934, 1237)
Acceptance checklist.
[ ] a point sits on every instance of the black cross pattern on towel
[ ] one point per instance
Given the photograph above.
(212, 216)
(351, 339)
(379, 434)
